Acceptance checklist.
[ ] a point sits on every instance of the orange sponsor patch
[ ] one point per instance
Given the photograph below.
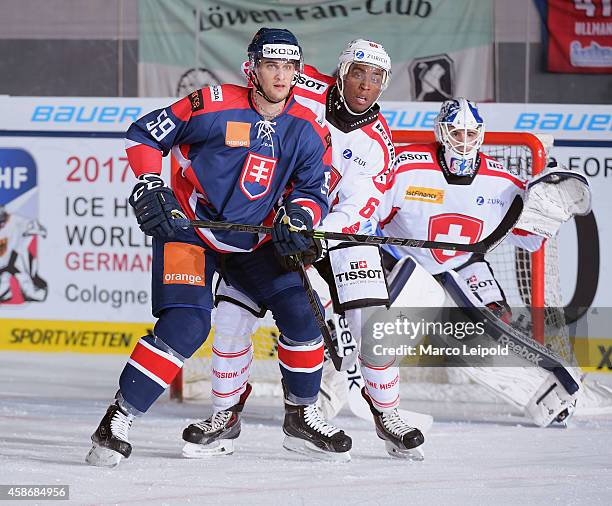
(184, 264)
(237, 134)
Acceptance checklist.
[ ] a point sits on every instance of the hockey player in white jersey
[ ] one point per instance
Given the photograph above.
(450, 191)
(362, 154)
(19, 277)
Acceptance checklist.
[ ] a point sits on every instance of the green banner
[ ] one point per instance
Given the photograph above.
(438, 47)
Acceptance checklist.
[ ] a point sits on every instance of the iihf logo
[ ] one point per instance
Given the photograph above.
(361, 264)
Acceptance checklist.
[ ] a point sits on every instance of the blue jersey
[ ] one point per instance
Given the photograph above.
(232, 165)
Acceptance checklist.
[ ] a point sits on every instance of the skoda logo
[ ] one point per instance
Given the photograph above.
(480, 200)
(359, 55)
(347, 153)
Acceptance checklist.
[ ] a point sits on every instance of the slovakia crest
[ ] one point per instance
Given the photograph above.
(456, 228)
(257, 174)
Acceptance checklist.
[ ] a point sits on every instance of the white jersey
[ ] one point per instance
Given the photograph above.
(362, 160)
(19, 278)
(423, 204)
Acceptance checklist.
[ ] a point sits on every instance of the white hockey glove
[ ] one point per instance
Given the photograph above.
(552, 402)
(553, 197)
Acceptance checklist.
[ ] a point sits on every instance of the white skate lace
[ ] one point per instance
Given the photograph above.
(312, 417)
(394, 424)
(120, 425)
(215, 422)
(265, 129)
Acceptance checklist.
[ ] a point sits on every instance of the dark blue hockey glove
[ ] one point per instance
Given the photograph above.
(157, 210)
(285, 236)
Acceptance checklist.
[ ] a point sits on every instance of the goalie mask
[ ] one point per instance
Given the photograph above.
(367, 53)
(273, 44)
(459, 128)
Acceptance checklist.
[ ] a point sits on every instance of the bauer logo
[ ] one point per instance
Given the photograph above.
(184, 264)
(422, 194)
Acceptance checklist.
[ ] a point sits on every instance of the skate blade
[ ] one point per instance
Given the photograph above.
(197, 451)
(297, 445)
(414, 454)
(103, 457)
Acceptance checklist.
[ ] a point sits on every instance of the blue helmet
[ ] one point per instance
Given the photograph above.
(460, 129)
(275, 43)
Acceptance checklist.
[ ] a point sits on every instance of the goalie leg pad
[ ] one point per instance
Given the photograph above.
(551, 403)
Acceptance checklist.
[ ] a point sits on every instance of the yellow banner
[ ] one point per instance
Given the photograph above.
(102, 337)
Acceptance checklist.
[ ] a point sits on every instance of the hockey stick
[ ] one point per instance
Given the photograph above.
(483, 246)
(340, 363)
(520, 345)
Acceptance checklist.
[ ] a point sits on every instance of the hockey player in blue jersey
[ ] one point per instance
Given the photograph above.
(241, 152)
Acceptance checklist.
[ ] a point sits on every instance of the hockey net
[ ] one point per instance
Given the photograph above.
(528, 280)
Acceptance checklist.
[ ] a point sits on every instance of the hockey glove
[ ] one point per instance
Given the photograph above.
(316, 252)
(157, 210)
(285, 234)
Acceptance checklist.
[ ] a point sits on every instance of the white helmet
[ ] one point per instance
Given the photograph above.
(368, 53)
(458, 115)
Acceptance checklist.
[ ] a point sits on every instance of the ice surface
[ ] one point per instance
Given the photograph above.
(51, 403)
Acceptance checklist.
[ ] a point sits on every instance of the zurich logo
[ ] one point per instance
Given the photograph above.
(480, 200)
(359, 55)
(347, 153)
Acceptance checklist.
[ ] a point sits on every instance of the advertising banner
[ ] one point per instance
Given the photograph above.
(75, 271)
(580, 36)
(438, 48)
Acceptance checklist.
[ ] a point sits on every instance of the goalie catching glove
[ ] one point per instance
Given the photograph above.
(553, 197)
(157, 210)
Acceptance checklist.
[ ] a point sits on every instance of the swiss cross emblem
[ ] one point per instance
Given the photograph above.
(256, 177)
(456, 228)
(363, 264)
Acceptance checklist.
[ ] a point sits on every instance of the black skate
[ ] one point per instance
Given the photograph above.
(110, 441)
(216, 434)
(401, 440)
(309, 434)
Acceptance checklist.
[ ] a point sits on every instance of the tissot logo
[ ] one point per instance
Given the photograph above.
(360, 264)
